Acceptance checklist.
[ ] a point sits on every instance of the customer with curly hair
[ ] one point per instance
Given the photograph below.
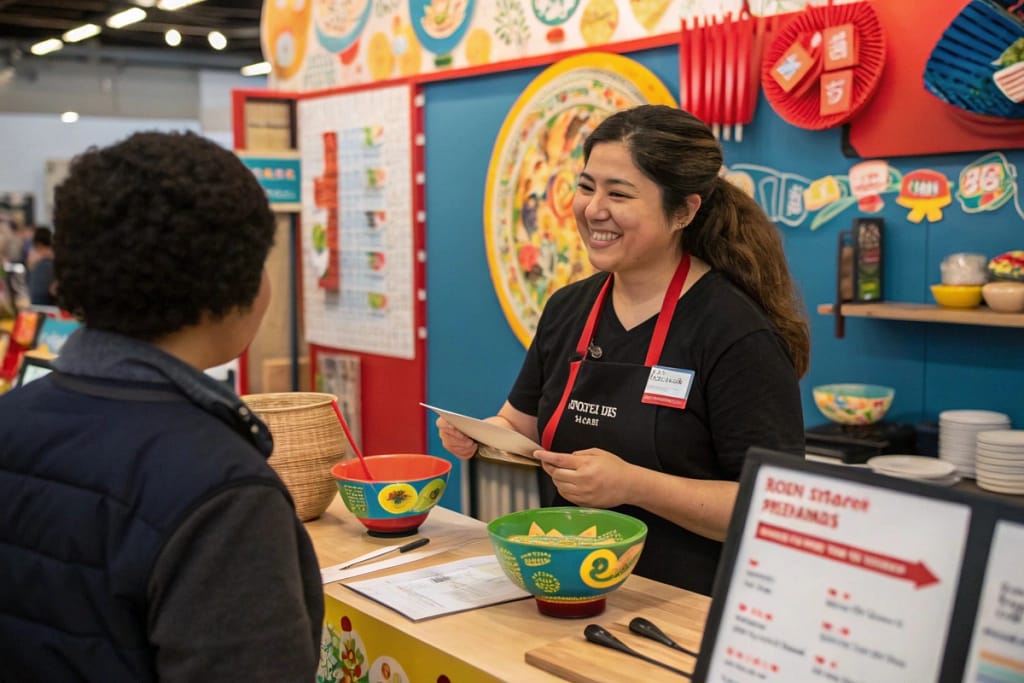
(143, 536)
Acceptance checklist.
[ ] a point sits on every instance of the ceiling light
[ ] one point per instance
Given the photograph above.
(173, 37)
(144, 3)
(217, 40)
(257, 69)
(171, 5)
(129, 16)
(69, 117)
(81, 33)
(46, 47)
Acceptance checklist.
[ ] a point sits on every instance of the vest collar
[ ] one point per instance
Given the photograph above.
(106, 355)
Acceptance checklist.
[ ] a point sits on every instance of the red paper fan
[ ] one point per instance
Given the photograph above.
(801, 106)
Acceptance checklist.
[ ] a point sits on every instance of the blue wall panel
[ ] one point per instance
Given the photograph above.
(473, 355)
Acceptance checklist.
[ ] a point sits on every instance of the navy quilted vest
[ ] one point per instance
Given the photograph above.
(128, 490)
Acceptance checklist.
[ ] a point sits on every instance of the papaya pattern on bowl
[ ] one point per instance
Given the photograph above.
(568, 556)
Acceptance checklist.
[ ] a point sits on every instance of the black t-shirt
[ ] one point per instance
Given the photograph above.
(745, 392)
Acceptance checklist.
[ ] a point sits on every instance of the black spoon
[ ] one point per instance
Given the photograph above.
(599, 635)
(646, 629)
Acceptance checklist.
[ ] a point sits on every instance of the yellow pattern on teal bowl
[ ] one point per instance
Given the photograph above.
(568, 558)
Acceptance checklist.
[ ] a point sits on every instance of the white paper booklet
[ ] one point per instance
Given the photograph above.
(442, 589)
(489, 434)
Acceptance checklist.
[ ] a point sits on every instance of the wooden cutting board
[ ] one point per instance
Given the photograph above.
(576, 659)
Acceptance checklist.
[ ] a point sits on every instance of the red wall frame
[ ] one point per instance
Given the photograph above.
(391, 388)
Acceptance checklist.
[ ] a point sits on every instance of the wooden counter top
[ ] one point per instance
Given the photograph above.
(496, 639)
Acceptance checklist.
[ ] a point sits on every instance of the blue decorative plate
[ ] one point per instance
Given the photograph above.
(339, 22)
(440, 24)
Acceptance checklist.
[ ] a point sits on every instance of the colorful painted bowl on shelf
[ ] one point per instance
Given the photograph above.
(404, 488)
(568, 558)
(957, 296)
(1007, 266)
(853, 404)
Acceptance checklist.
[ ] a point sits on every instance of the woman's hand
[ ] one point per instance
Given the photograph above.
(589, 478)
(457, 443)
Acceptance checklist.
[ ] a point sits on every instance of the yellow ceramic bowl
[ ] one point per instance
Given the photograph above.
(957, 296)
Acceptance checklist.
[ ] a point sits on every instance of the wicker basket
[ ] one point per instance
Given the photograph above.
(308, 441)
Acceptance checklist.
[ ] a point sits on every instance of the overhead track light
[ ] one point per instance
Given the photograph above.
(69, 117)
(218, 41)
(173, 37)
(47, 46)
(81, 33)
(257, 69)
(171, 5)
(127, 17)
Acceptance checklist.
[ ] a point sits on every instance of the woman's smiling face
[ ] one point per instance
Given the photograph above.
(619, 214)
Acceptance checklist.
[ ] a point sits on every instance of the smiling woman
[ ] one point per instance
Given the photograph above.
(647, 382)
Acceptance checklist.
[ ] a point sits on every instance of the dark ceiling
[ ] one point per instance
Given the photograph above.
(25, 22)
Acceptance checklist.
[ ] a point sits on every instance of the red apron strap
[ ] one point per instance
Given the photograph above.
(668, 308)
(556, 417)
(574, 367)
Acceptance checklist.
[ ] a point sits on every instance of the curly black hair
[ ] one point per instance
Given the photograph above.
(155, 230)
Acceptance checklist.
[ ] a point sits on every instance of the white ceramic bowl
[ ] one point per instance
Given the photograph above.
(1004, 296)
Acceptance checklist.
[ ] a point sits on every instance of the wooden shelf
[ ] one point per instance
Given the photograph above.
(929, 313)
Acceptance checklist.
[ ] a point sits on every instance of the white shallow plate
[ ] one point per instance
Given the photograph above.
(1008, 458)
(488, 434)
(944, 481)
(972, 417)
(914, 466)
(998, 488)
(1008, 438)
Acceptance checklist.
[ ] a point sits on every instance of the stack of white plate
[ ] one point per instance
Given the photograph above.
(920, 467)
(1000, 461)
(958, 435)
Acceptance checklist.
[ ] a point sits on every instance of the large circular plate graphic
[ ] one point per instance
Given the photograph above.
(533, 248)
(440, 24)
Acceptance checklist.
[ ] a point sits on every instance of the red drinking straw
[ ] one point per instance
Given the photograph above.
(351, 441)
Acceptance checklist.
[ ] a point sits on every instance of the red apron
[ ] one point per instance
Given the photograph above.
(601, 407)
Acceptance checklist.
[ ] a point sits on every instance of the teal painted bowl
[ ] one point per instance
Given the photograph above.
(853, 404)
(568, 558)
(403, 490)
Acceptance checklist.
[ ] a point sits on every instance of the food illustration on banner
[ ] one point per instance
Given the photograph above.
(284, 29)
(987, 184)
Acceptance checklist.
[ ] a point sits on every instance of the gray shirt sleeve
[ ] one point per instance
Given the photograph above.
(226, 597)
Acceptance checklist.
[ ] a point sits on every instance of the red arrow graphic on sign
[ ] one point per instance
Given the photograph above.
(916, 572)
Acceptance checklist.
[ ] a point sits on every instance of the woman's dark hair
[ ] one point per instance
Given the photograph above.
(730, 232)
(155, 230)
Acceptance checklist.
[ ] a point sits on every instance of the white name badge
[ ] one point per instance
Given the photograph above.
(668, 387)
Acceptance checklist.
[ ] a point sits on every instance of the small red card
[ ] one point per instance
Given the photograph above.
(840, 47)
(836, 91)
(792, 66)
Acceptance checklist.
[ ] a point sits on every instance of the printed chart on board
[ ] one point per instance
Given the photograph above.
(357, 222)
